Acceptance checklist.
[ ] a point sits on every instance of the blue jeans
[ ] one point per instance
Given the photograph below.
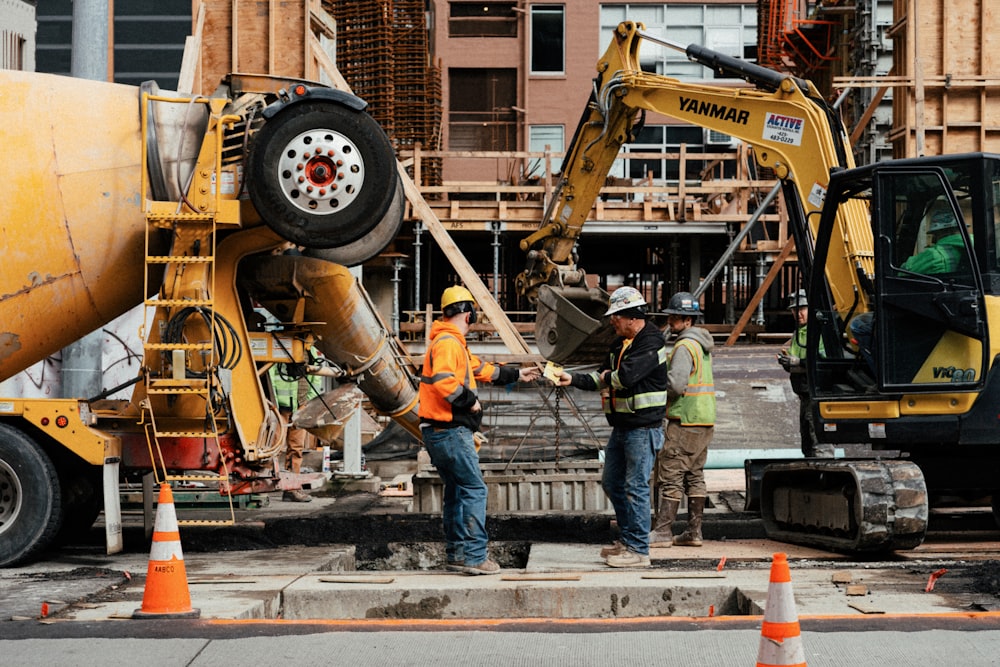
(454, 455)
(628, 463)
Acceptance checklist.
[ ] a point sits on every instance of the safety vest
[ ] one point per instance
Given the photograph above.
(798, 346)
(628, 402)
(696, 406)
(286, 392)
(449, 374)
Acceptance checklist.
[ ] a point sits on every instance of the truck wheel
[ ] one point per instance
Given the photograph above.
(30, 505)
(321, 175)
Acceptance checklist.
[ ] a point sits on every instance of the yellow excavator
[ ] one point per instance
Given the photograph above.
(899, 357)
(785, 119)
(117, 197)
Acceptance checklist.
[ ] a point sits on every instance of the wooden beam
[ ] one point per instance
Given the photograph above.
(868, 113)
(191, 61)
(327, 65)
(505, 328)
(761, 291)
(321, 20)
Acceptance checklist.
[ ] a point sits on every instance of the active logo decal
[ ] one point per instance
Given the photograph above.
(783, 129)
(713, 110)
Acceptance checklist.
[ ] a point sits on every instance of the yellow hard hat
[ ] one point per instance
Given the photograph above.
(456, 294)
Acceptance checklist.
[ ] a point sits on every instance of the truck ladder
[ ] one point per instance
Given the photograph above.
(186, 391)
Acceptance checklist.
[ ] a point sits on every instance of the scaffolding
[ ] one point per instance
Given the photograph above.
(383, 54)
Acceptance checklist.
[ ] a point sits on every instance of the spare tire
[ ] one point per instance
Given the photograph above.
(321, 175)
(371, 244)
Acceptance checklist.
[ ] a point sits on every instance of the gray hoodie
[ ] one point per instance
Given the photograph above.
(681, 362)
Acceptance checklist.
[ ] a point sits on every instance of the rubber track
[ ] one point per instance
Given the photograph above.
(891, 495)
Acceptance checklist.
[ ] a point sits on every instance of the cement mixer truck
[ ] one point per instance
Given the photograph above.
(119, 197)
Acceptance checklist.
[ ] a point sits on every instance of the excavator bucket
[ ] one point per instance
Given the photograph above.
(570, 325)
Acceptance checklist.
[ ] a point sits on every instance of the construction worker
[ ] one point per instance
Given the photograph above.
(793, 359)
(450, 417)
(633, 382)
(287, 387)
(946, 247)
(690, 425)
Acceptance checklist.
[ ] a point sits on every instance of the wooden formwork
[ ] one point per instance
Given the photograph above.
(947, 95)
(275, 37)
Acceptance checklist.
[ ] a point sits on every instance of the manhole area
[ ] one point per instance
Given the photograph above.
(582, 596)
(397, 556)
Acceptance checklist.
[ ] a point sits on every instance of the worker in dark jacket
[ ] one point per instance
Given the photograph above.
(450, 416)
(633, 382)
(680, 465)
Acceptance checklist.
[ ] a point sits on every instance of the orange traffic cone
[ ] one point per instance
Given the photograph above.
(166, 594)
(780, 641)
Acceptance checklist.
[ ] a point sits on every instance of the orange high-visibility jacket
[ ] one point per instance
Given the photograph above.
(448, 379)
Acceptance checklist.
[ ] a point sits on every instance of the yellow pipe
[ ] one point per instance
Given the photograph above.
(349, 330)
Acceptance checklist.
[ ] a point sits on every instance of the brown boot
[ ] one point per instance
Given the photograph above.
(691, 537)
(662, 535)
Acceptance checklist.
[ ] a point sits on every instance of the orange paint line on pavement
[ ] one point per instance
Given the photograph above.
(498, 622)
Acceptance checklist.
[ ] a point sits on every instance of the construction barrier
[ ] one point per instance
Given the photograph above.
(780, 636)
(166, 594)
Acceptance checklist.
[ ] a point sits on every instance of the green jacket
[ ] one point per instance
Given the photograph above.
(942, 257)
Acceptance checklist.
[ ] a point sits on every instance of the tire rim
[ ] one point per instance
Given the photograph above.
(10, 497)
(321, 172)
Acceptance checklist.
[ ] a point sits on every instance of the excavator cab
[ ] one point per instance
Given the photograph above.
(911, 366)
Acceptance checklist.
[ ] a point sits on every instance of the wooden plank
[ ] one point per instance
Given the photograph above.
(251, 43)
(192, 54)
(326, 64)
(321, 21)
(357, 580)
(216, 44)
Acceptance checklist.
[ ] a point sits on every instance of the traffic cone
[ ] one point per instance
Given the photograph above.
(166, 594)
(780, 641)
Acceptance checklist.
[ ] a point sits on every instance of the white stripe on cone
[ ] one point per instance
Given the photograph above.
(780, 609)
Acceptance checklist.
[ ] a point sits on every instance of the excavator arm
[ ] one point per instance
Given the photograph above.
(793, 131)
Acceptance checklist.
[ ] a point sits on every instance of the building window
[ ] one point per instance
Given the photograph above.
(730, 29)
(481, 116)
(482, 19)
(540, 137)
(666, 139)
(548, 39)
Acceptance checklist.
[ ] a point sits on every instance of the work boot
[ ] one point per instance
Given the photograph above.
(296, 496)
(662, 534)
(628, 559)
(486, 567)
(691, 537)
(616, 548)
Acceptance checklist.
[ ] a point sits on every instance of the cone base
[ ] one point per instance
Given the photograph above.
(191, 613)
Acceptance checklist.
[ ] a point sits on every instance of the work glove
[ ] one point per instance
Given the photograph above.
(789, 362)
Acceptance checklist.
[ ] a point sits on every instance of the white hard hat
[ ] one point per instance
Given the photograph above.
(624, 298)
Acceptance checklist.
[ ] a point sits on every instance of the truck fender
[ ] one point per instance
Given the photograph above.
(300, 93)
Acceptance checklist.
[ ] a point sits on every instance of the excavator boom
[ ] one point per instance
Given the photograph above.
(791, 128)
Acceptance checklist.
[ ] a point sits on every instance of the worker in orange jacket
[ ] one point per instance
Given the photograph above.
(450, 415)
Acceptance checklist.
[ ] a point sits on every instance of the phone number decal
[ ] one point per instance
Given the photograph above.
(783, 129)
